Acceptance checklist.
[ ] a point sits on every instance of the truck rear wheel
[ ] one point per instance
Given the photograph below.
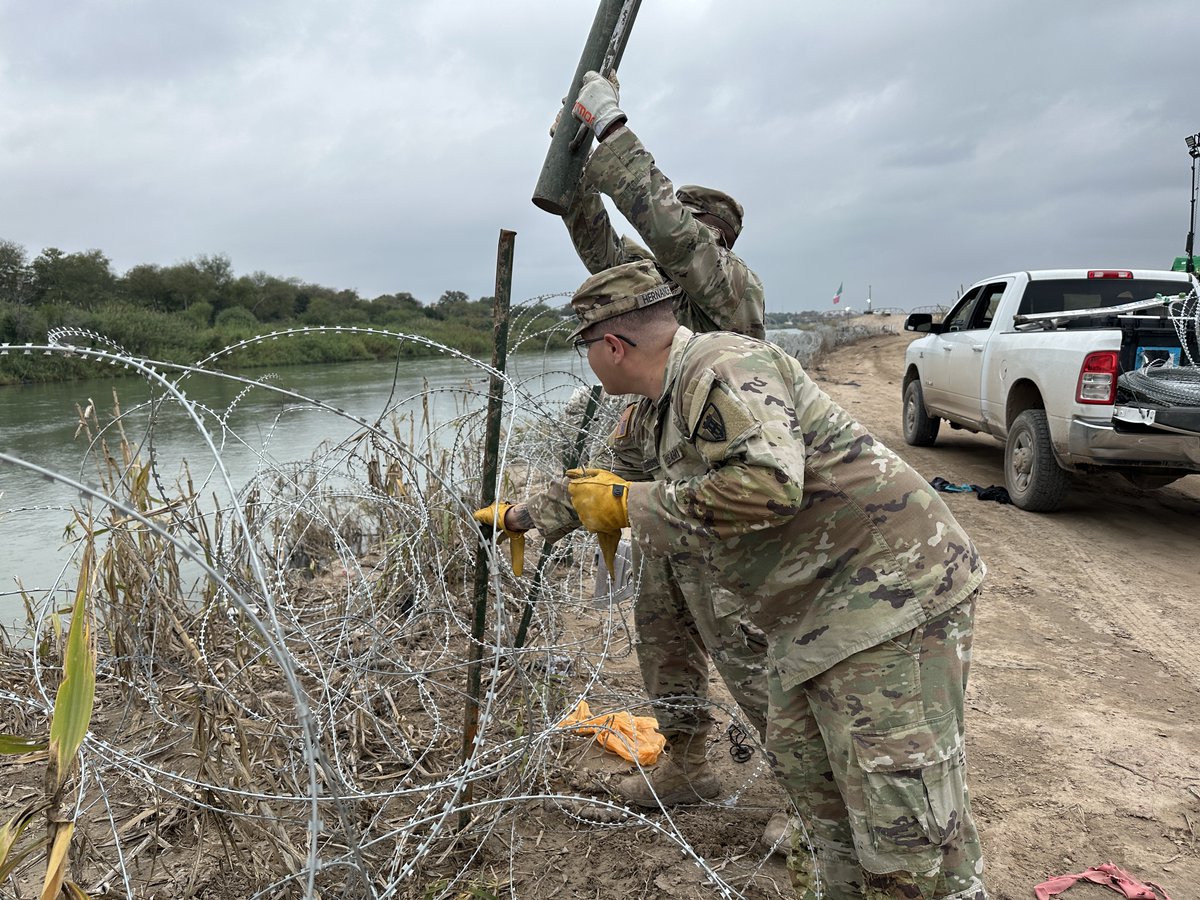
(920, 428)
(1034, 479)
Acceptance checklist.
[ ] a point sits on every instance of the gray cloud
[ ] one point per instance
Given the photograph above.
(381, 146)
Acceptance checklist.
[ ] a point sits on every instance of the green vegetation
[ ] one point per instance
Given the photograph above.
(805, 318)
(185, 312)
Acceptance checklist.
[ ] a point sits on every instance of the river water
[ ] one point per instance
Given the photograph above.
(38, 424)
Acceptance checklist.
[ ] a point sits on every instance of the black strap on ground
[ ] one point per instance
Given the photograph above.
(739, 742)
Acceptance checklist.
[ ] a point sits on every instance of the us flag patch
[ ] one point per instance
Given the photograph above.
(622, 428)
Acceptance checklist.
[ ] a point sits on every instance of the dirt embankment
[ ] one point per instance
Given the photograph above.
(1084, 725)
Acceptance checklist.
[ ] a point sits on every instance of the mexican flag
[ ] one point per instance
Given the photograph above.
(838, 295)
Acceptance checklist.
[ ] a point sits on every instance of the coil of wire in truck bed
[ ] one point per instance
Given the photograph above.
(1166, 385)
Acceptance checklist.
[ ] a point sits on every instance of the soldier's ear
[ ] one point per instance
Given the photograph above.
(616, 345)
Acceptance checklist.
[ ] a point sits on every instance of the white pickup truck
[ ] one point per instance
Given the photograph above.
(1074, 370)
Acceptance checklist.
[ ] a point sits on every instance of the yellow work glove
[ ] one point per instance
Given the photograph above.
(609, 540)
(493, 517)
(602, 501)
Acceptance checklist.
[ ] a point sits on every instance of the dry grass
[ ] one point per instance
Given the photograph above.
(280, 680)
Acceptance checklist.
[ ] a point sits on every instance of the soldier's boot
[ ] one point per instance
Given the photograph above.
(777, 836)
(682, 775)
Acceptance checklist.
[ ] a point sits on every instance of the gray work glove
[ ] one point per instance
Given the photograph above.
(596, 105)
(612, 76)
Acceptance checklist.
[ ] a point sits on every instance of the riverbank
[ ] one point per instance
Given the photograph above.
(55, 360)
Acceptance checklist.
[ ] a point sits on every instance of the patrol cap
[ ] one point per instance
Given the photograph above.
(619, 290)
(714, 203)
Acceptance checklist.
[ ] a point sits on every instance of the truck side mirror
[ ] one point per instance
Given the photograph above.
(922, 322)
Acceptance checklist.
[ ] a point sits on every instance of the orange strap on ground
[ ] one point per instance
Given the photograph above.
(634, 738)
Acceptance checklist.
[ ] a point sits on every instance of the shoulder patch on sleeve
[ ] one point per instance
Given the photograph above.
(621, 430)
(719, 419)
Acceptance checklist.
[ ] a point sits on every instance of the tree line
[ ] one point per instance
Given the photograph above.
(184, 312)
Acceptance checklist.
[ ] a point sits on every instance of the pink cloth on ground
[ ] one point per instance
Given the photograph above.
(1108, 875)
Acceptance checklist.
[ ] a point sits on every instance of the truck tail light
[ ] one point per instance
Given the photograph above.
(1109, 273)
(1098, 378)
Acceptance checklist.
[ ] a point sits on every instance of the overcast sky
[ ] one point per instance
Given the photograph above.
(381, 146)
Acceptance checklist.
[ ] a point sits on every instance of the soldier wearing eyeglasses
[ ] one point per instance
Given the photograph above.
(836, 549)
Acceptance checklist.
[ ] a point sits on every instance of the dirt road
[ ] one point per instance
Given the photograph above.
(1084, 725)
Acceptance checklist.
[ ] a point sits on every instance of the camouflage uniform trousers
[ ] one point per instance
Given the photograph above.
(871, 754)
(678, 629)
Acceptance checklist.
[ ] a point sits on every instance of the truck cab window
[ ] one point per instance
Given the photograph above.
(959, 318)
(988, 303)
(1076, 294)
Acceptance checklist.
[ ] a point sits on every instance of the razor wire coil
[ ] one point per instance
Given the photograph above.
(291, 658)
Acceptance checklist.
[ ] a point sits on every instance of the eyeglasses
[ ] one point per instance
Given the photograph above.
(581, 346)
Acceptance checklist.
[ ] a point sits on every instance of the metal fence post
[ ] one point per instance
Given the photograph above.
(491, 461)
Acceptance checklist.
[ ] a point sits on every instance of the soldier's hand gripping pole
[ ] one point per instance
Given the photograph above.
(559, 179)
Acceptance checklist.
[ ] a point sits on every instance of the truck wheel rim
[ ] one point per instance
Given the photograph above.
(1022, 462)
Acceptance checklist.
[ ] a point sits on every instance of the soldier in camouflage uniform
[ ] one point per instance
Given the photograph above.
(691, 231)
(680, 617)
(840, 552)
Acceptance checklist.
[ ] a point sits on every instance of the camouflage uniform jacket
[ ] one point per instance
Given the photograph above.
(721, 293)
(833, 542)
